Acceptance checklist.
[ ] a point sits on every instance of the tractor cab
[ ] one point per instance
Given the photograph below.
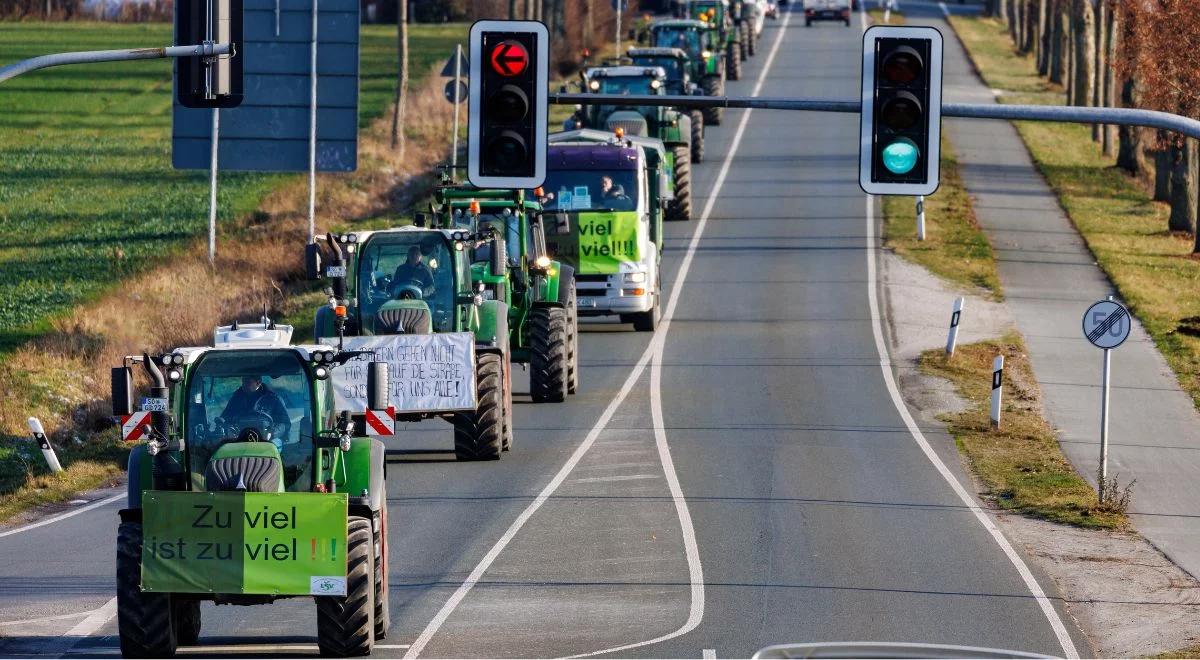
(624, 80)
(716, 12)
(673, 62)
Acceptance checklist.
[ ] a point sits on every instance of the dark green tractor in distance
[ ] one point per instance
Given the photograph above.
(706, 60)
(416, 280)
(668, 125)
(543, 317)
(674, 61)
(247, 487)
(720, 17)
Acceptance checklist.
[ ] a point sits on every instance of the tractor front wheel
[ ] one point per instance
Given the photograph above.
(733, 61)
(572, 339)
(144, 622)
(346, 624)
(743, 47)
(383, 612)
(713, 86)
(549, 348)
(697, 136)
(680, 207)
(508, 409)
(479, 435)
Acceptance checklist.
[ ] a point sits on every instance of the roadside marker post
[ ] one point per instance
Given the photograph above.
(39, 436)
(1106, 324)
(955, 317)
(997, 390)
(920, 217)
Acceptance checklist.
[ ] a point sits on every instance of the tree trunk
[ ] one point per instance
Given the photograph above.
(1112, 30)
(589, 11)
(1099, 61)
(1128, 136)
(1002, 14)
(401, 75)
(1083, 78)
(512, 10)
(1162, 173)
(1057, 59)
(1043, 37)
(1183, 188)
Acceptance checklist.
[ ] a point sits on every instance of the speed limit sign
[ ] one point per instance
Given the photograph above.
(1106, 324)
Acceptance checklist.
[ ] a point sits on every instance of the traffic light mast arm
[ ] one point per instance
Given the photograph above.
(207, 49)
(1053, 113)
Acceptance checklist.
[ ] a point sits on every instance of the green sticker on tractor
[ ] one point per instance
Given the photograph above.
(244, 543)
(598, 241)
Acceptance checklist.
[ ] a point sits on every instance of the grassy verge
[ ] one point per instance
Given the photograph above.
(955, 248)
(1020, 465)
(876, 16)
(1155, 271)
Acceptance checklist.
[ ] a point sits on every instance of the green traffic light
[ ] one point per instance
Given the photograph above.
(900, 157)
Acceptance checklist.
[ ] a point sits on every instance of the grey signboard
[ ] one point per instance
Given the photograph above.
(269, 131)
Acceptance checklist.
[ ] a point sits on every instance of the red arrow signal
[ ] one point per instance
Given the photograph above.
(509, 58)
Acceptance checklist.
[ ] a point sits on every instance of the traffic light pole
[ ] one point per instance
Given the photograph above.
(207, 49)
(1053, 113)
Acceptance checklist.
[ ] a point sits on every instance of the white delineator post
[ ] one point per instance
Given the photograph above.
(920, 217)
(312, 132)
(39, 436)
(997, 390)
(955, 317)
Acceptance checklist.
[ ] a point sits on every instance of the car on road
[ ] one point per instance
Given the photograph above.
(827, 10)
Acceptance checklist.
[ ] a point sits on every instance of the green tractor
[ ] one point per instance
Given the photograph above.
(249, 486)
(720, 17)
(407, 293)
(543, 317)
(673, 128)
(706, 61)
(678, 82)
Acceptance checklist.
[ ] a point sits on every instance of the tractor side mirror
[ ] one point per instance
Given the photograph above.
(336, 271)
(377, 385)
(562, 89)
(209, 82)
(499, 258)
(562, 224)
(421, 219)
(122, 391)
(312, 261)
(664, 187)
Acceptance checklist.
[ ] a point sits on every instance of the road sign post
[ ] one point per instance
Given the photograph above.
(1106, 325)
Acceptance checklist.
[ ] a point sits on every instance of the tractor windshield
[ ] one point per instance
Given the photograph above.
(671, 65)
(507, 226)
(262, 395)
(592, 190)
(687, 38)
(627, 86)
(410, 265)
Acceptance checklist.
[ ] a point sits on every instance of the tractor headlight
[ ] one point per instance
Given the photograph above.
(352, 238)
(594, 85)
(174, 374)
(321, 373)
(654, 84)
(542, 262)
(706, 54)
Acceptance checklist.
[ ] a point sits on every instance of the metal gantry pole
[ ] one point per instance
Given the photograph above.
(212, 186)
(93, 56)
(457, 100)
(312, 132)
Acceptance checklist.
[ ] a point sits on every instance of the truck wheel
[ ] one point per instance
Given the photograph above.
(697, 136)
(346, 624)
(713, 87)
(647, 321)
(734, 61)
(187, 621)
(506, 444)
(383, 610)
(548, 348)
(479, 435)
(573, 340)
(680, 208)
(144, 621)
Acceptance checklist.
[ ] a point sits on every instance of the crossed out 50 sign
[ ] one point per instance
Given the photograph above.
(1106, 324)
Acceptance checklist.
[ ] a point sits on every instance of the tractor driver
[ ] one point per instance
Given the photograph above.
(254, 398)
(612, 192)
(413, 271)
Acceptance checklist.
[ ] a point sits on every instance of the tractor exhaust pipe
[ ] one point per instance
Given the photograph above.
(160, 423)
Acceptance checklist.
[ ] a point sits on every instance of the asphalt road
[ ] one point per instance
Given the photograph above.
(742, 478)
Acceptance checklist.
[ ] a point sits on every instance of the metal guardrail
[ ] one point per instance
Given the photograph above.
(207, 49)
(1055, 113)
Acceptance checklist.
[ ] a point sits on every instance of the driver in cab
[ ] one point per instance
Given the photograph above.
(414, 270)
(254, 398)
(613, 193)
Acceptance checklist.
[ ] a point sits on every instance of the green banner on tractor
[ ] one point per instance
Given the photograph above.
(598, 241)
(244, 543)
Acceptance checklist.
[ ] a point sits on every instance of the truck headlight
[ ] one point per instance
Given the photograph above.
(635, 278)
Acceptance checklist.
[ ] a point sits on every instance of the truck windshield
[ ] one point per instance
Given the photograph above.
(407, 266)
(687, 38)
(251, 395)
(590, 190)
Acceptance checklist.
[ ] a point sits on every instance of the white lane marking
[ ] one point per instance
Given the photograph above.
(44, 619)
(1056, 623)
(945, 9)
(53, 519)
(94, 621)
(690, 544)
(709, 654)
(484, 564)
(627, 477)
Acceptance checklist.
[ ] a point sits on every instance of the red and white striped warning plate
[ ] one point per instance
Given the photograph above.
(131, 425)
(381, 422)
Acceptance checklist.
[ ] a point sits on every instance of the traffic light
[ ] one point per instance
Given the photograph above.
(202, 82)
(900, 134)
(506, 125)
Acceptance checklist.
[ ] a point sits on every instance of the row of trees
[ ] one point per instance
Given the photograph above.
(107, 10)
(1124, 53)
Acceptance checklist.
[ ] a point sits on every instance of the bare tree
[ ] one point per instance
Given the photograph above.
(401, 75)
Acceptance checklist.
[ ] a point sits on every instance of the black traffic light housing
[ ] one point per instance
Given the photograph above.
(209, 82)
(509, 79)
(900, 134)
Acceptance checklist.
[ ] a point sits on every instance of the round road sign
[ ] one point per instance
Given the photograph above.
(509, 58)
(1106, 324)
(448, 91)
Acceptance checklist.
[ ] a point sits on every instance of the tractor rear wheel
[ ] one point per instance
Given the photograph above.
(751, 41)
(680, 208)
(144, 622)
(479, 435)
(733, 61)
(383, 611)
(549, 350)
(697, 136)
(187, 621)
(743, 46)
(573, 339)
(346, 624)
(506, 444)
(713, 86)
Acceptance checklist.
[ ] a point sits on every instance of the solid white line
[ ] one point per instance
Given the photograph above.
(1056, 623)
(709, 654)
(44, 619)
(627, 477)
(64, 516)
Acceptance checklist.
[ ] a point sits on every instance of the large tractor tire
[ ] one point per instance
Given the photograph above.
(572, 339)
(346, 624)
(507, 442)
(383, 610)
(549, 348)
(733, 61)
(743, 45)
(187, 621)
(697, 136)
(144, 622)
(713, 86)
(751, 41)
(479, 435)
(680, 208)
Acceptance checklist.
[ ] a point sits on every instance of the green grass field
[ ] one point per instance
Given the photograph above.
(87, 193)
